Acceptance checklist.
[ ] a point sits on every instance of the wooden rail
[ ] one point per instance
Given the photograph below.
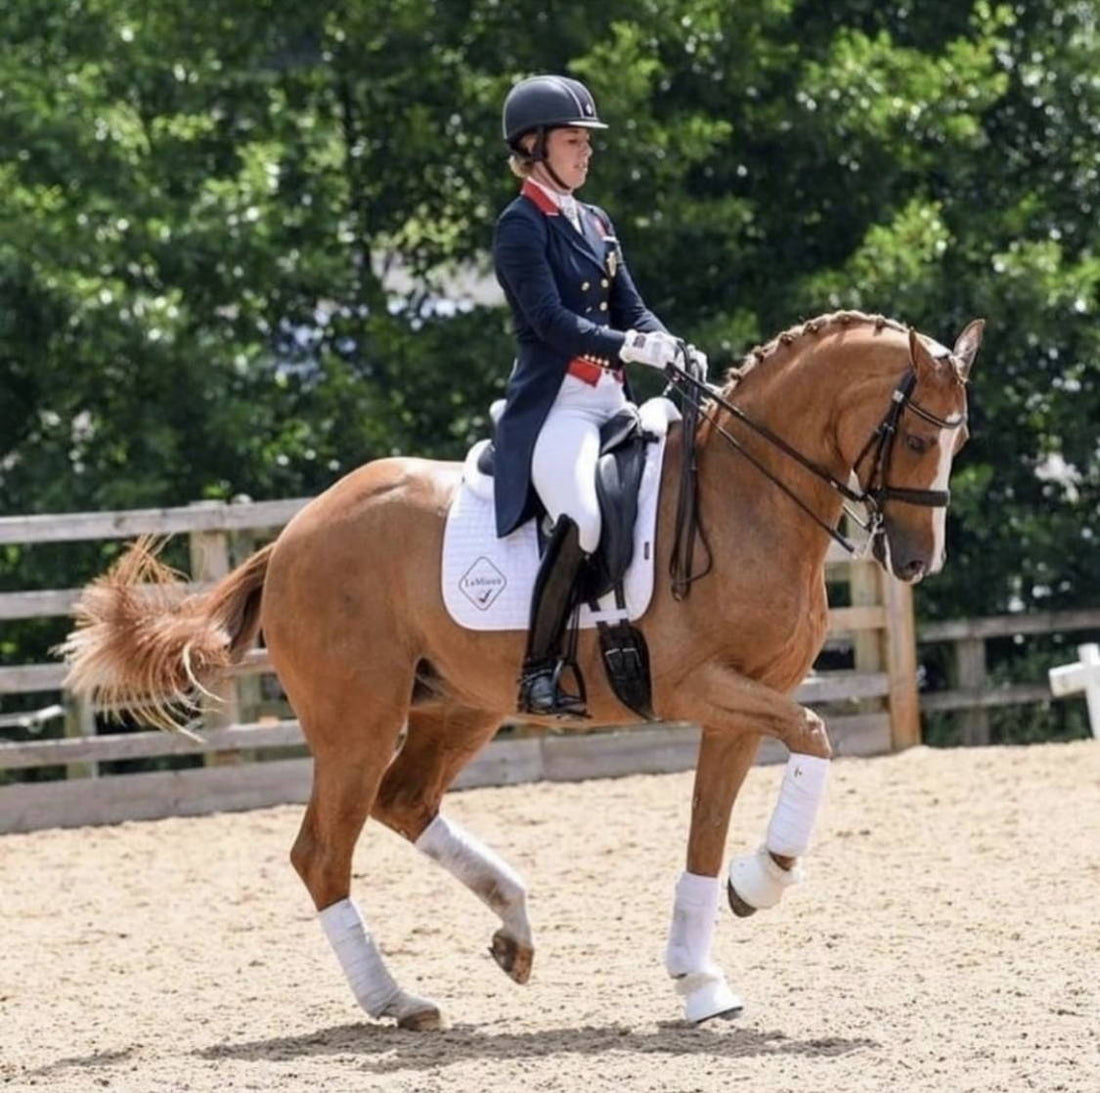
(973, 694)
(872, 709)
(557, 758)
(201, 516)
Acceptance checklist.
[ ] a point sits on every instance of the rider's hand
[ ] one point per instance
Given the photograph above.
(657, 349)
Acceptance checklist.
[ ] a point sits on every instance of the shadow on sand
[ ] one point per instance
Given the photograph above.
(388, 1050)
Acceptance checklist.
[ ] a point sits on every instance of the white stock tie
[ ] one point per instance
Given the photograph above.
(568, 206)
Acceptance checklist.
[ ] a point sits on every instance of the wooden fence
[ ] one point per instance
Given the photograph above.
(243, 751)
(972, 693)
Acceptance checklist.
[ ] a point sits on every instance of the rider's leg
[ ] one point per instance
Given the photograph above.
(563, 472)
(563, 463)
(552, 602)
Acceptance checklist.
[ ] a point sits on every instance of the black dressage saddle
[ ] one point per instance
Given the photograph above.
(623, 444)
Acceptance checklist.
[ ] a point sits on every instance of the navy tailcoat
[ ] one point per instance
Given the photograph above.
(571, 295)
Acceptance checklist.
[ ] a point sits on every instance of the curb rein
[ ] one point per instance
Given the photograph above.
(874, 496)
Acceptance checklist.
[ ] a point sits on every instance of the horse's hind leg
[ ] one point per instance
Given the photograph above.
(345, 781)
(441, 740)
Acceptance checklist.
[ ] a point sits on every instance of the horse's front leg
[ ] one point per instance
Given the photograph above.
(734, 712)
(724, 760)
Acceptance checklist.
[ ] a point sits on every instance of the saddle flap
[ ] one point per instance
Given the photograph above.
(618, 476)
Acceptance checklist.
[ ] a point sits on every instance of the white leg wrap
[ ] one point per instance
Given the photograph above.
(759, 881)
(482, 870)
(373, 986)
(693, 916)
(795, 812)
(699, 981)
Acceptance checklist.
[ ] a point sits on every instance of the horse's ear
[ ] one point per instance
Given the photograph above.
(967, 346)
(922, 360)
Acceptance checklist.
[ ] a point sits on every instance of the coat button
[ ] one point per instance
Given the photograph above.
(603, 306)
(585, 286)
(604, 282)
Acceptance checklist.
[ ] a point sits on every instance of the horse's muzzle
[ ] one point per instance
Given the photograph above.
(900, 559)
(912, 571)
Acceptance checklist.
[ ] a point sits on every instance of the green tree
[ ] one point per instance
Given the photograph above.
(230, 235)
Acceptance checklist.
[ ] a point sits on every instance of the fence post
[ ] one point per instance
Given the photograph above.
(866, 589)
(210, 562)
(901, 662)
(79, 721)
(242, 545)
(970, 669)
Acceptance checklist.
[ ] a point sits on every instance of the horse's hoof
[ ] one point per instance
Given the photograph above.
(730, 1014)
(707, 997)
(514, 958)
(425, 1020)
(412, 1012)
(737, 905)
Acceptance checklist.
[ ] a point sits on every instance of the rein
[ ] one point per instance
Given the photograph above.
(880, 446)
(687, 525)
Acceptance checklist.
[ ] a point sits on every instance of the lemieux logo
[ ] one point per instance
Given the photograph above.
(482, 583)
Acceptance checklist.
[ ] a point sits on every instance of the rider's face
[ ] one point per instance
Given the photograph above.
(568, 151)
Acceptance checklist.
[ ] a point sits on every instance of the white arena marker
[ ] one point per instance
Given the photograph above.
(1071, 679)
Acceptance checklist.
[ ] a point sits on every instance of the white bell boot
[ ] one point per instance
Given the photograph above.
(756, 880)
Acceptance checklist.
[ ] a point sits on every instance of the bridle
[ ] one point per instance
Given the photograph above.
(873, 496)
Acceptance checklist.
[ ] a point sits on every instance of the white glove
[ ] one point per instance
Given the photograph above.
(657, 349)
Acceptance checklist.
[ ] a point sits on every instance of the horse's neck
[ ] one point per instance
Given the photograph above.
(796, 401)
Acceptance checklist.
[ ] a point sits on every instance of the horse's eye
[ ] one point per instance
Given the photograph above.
(917, 443)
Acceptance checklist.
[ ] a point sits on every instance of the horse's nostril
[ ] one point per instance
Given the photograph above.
(912, 571)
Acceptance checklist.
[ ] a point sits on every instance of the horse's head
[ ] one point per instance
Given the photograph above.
(906, 465)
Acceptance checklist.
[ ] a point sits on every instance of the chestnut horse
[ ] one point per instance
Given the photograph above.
(395, 698)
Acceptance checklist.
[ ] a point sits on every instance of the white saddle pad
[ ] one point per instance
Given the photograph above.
(487, 581)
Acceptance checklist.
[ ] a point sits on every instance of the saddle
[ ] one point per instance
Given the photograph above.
(623, 442)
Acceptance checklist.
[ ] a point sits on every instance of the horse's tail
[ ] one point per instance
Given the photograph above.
(143, 646)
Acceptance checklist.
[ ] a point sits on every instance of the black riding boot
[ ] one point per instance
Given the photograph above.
(552, 601)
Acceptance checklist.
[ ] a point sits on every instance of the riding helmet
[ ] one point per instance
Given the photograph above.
(548, 102)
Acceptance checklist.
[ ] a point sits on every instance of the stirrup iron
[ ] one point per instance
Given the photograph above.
(561, 703)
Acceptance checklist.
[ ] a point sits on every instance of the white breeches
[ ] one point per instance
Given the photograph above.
(563, 465)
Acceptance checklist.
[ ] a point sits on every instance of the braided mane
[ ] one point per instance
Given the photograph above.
(810, 327)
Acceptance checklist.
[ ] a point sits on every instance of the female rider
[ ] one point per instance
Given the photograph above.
(578, 318)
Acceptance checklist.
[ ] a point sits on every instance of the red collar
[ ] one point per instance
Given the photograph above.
(543, 202)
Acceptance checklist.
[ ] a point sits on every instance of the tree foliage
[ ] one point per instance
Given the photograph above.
(236, 240)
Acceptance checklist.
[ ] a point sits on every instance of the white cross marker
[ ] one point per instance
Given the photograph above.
(1084, 676)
